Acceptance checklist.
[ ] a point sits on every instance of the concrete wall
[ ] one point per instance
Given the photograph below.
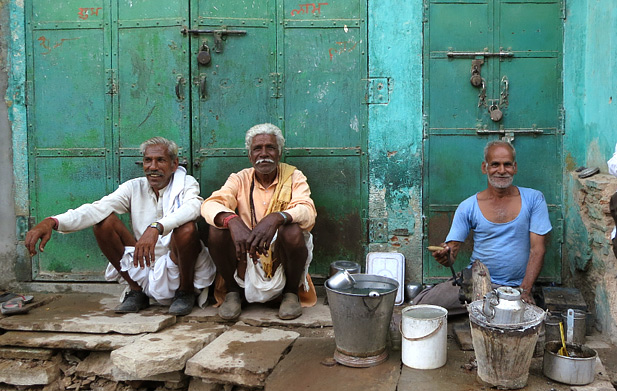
(395, 129)
(7, 206)
(590, 85)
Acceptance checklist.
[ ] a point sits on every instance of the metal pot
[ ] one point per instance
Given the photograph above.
(504, 306)
(578, 369)
(351, 267)
(341, 280)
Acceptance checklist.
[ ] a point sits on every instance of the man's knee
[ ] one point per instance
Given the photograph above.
(217, 236)
(185, 234)
(291, 236)
(108, 223)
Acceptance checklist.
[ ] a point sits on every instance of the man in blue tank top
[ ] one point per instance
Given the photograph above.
(509, 225)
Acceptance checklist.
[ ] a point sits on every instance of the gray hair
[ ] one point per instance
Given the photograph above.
(172, 147)
(265, 129)
(499, 143)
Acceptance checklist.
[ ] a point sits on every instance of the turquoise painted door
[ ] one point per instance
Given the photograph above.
(513, 51)
(104, 78)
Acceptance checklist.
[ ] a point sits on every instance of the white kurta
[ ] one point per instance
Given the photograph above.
(179, 204)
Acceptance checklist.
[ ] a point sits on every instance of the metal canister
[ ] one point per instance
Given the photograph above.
(351, 267)
(504, 306)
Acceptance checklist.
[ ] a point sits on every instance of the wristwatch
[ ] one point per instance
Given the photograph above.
(158, 226)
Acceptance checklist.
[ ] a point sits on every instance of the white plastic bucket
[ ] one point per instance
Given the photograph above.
(425, 331)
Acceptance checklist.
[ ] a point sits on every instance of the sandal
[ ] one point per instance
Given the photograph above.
(16, 305)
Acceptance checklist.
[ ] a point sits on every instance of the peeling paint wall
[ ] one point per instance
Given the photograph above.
(592, 264)
(395, 130)
(590, 86)
(7, 206)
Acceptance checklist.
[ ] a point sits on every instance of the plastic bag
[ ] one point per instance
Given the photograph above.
(612, 163)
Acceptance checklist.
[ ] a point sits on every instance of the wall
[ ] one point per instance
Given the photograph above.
(590, 57)
(395, 136)
(7, 206)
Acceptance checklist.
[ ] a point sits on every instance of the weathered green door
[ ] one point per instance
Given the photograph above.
(302, 67)
(514, 50)
(71, 159)
(104, 78)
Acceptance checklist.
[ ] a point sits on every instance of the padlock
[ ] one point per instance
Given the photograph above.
(495, 112)
(476, 80)
(203, 57)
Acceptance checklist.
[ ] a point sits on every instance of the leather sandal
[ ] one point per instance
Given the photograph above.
(231, 307)
(290, 307)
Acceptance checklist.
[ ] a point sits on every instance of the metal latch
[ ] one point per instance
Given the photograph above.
(218, 35)
(501, 53)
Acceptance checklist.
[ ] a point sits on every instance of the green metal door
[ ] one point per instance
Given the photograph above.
(302, 67)
(69, 126)
(105, 78)
(515, 50)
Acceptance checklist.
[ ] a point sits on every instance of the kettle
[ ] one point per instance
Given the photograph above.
(504, 306)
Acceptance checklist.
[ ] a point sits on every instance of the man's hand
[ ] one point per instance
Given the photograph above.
(41, 231)
(446, 254)
(144, 248)
(239, 235)
(526, 296)
(261, 236)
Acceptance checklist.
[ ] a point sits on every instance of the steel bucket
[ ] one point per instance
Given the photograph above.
(361, 319)
(579, 369)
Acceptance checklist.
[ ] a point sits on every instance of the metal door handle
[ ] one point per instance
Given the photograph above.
(202, 87)
(180, 88)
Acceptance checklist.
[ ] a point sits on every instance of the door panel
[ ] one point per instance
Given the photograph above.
(524, 81)
(324, 68)
(153, 77)
(105, 78)
(69, 139)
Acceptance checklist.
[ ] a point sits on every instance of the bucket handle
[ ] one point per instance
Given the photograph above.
(400, 327)
(374, 307)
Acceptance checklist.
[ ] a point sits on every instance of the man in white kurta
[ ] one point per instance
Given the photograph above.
(162, 258)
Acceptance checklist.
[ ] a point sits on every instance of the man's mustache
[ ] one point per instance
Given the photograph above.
(155, 172)
(264, 161)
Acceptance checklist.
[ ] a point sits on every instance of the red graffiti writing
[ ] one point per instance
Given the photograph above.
(346, 47)
(84, 13)
(304, 8)
(46, 43)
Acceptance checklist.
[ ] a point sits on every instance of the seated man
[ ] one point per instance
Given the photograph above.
(612, 169)
(265, 248)
(164, 206)
(509, 224)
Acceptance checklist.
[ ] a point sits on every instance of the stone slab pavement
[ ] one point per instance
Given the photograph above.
(88, 313)
(265, 315)
(309, 366)
(243, 355)
(165, 351)
(29, 372)
(62, 340)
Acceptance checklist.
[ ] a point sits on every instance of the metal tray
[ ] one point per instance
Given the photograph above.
(388, 265)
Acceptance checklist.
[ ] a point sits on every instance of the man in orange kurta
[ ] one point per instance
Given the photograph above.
(260, 235)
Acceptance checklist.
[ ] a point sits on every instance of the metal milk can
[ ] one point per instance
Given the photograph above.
(504, 306)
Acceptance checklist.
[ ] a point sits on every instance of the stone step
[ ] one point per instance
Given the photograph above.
(243, 355)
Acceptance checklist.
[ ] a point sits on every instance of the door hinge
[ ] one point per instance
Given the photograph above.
(564, 10)
(425, 9)
(29, 95)
(23, 225)
(562, 120)
(424, 126)
(378, 90)
(378, 230)
(276, 85)
(112, 83)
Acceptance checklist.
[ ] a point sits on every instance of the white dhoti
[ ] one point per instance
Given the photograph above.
(161, 280)
(258, 288)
